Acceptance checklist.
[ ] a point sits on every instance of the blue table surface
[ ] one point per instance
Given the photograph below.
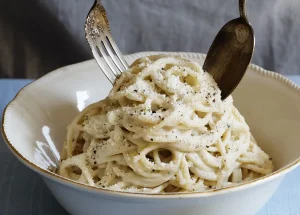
(22, 191)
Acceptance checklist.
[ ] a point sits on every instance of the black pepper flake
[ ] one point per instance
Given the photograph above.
(153, 111)
(207, 146)
(95, 151)
(131, 114)
(162, 118)
(214, 100)
(103, 186)
(270, 159)
(151, 139)
(135, 91)
(95, 162)
(210, 186)
(153, 170)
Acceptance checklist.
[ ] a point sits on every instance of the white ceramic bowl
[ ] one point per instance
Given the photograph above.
(42, 110)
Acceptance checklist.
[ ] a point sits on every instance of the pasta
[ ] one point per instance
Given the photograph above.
(163, 128)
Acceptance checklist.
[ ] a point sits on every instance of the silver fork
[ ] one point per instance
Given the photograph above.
(101, 43)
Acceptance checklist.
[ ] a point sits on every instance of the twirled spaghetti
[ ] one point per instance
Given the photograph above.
(163, 128)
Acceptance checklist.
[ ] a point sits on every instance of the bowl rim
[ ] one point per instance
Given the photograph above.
(70, 183)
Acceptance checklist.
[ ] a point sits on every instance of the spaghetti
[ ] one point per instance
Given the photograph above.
(163, 128)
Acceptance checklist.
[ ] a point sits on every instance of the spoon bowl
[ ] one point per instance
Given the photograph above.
(231, 52)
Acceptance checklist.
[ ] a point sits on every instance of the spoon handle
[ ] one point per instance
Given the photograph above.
(242, 7)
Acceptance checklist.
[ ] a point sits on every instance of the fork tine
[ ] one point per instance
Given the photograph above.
(106, 58)
(104, 70)
(117, 51)
(110, 77)
(113, 56)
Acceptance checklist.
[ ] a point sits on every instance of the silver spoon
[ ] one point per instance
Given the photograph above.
(231, 52)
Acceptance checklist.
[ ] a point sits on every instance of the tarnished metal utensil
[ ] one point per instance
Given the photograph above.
(231, 52)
